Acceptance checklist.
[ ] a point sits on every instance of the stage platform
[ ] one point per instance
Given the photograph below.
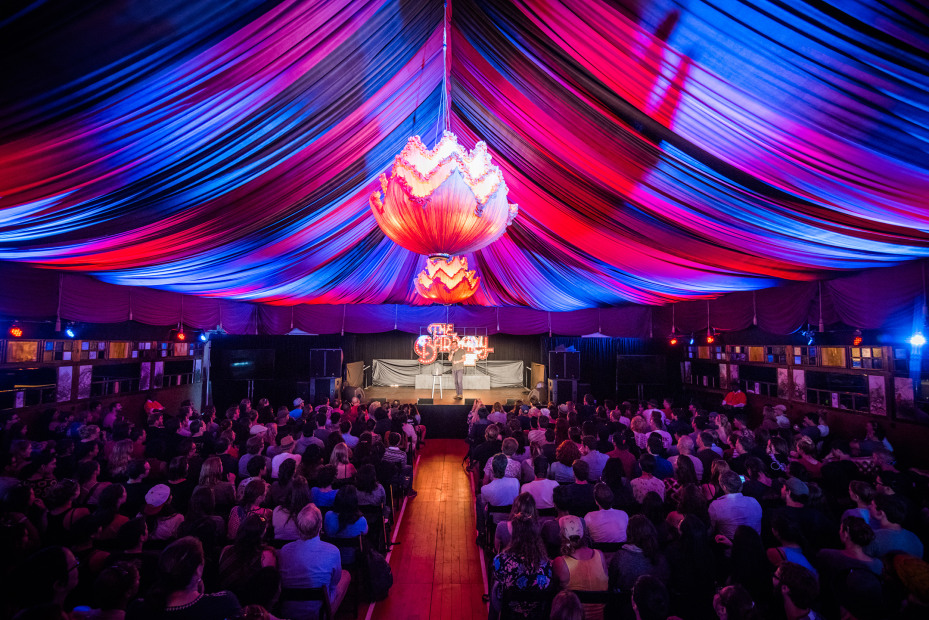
(445, 417)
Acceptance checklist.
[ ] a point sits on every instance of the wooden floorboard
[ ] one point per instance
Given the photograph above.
(436, 566)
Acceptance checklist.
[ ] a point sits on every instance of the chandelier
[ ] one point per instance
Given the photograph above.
(443, 203)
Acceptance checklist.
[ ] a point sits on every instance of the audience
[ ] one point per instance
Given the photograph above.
(164, 519)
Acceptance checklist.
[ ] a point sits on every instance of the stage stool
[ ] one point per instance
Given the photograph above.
(436, 381)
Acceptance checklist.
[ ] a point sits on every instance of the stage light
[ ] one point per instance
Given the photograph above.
(204, 336)
(70, 332)
(16, 331)
(918, 339)
(691, 339)
(856, 338)
(810, 335)
(672, 340)
(181, 336)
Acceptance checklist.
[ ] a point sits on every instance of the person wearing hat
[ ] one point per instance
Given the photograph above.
(287, 447)
(163, 520)
(817, 529)
(297, 412)
(580, 567)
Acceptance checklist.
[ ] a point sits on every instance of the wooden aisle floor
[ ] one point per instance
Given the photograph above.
(437, 565)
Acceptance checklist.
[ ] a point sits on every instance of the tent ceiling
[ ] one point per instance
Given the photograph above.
(659, 151)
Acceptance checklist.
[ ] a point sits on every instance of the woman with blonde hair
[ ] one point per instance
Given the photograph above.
(341, 459)
(640, 429)
(212, 477)
(711, 489)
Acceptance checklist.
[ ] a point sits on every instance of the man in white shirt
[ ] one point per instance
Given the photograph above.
(606, 524)
(733, 509)
(541, 489)
(501, 491)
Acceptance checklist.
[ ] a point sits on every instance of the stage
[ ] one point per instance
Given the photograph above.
(445, 417)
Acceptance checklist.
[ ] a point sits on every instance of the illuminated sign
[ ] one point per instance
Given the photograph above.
(442, 338)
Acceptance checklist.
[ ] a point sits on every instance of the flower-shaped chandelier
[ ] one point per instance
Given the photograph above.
(443, 203)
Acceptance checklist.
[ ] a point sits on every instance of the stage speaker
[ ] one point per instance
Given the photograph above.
(325, 362)
(469, 402)
(424, 401)
(564, 365)
(324, 387)
(562, 390)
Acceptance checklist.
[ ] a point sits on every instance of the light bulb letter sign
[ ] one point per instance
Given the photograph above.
(442, 338)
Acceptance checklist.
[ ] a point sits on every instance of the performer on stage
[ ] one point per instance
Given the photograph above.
(458, 358)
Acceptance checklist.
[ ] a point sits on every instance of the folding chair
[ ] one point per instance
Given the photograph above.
(495, 514)
(356, 568)
(309, 594)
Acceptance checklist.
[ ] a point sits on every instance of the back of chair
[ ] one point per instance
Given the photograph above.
(303, 595)
(607, 547)
(548, 512)
(515, 595)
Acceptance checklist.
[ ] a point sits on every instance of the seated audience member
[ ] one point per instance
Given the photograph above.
(887, 514)
(542, 487)
(641, 555)
(606, 524)
(798, 590)
(250, 503)
(818, 530)
(733, 509)
(647, 482)
(685, 449)
(114, 588)
(370, 491)
(213, 477)
(501, 491)
(284, 516)
(178, 592)
(650, 599)
(561, 471)
(595, 459)
(341, 459)
(345, 521)
(253, 447)
(279, 489)
(734, 602)
(523, 564)
(523, 504)
(790, 544)
(735, 398)
(163, 520)
(240, 562)
(579, 567)
(508, 448)
(323, 495)
(311, 563)
(285, 453)
(202, 522)
(861, 493)
(581, 492)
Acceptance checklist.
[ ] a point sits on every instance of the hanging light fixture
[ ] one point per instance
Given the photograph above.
(673, 339)
(446, 279)
(443, 203)
(857, 339)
